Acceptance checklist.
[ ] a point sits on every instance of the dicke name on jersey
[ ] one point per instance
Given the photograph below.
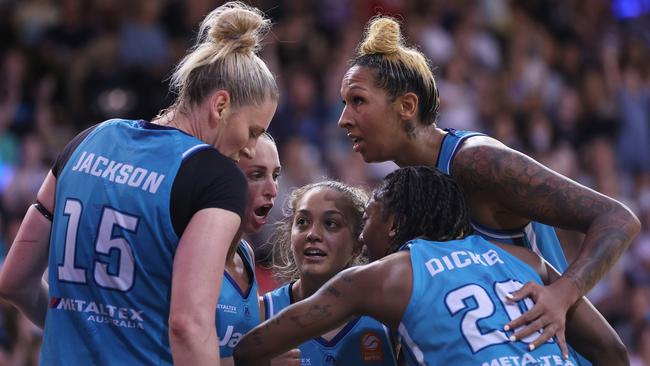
(118, 172)
(461, 259)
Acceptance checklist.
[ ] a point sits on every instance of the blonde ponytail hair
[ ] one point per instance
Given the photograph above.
(400, 69)
(224, 58)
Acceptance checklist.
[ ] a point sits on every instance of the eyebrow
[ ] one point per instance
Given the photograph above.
(356, 87)
(328, 212)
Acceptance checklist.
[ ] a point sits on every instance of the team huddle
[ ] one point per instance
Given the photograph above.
(452, 259)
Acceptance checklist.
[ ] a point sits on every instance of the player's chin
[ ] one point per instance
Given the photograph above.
(370, 155)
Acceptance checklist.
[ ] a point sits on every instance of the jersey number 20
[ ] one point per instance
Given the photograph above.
(119, 278)
(477, 340)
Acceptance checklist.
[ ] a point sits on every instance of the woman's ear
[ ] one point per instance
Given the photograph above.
(408, 106)
(219, 105)
(393, 226)
(358, 247)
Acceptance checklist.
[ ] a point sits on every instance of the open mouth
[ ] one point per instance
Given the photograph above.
(356, 142)
(314, 252)
(263, 211)
(355, 139)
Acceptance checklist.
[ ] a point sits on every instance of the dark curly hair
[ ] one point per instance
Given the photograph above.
(425, 203)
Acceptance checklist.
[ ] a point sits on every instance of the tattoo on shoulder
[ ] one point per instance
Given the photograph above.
(529, 183)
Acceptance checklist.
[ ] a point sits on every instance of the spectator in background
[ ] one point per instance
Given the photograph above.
(143, 43)
(544, 47)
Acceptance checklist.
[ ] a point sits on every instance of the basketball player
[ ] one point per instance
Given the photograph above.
(137, 217)
(391, 105)
(317, 240)
(447, 294)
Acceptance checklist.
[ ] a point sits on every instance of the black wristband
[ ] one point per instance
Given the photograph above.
(47, 214)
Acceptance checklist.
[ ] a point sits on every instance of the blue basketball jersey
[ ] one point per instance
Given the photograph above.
(112, 247)
(458, 307)
(238, 311)
(363, 341)
(535, 236)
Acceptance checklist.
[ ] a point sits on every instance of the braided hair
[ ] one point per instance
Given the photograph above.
(425, 203)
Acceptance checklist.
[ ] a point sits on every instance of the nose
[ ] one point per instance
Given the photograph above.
(344, 120)
(248, 152)
(314, 233)
(271, 188)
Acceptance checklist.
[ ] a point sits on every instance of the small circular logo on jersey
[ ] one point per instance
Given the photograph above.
(329, 359)
(371, 347)
(370, 341)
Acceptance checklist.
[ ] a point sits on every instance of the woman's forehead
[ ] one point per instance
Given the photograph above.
(357, 77)
(326, 199)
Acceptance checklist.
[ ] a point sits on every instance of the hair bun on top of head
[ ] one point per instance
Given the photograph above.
(236, 27)
(383, 36)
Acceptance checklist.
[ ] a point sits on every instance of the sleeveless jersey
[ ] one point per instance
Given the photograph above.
(237, 311)
(458, 307)
(363, 341)
(538, 237)
(112, 246)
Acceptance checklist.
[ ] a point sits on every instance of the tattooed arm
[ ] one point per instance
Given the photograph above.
(512, 189)
(353, 292)
(587, 331)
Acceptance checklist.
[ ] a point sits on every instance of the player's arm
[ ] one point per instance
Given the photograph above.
(196, 281)
(21, 280)
(350, 293)
(332, 305)
(587, 331)
(207, 203)
(590, 334)
(289, 358)
(525, 188)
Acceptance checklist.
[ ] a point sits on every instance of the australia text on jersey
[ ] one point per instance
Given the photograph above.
(118, 172)
(101, 313)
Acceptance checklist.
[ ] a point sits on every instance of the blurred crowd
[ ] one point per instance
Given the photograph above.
(565, 81)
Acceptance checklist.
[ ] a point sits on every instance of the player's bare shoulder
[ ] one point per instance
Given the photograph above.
(528, 257)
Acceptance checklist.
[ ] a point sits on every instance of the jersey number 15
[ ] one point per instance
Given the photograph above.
(121, 276)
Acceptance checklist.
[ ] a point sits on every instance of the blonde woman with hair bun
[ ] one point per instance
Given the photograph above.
(391, 105)
(135, 219)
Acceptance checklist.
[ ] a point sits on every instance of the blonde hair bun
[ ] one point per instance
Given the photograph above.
(224, 58)
(238, 28)
(383, 36)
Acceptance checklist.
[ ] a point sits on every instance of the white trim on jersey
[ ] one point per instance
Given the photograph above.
(391, 346)
(269, 303)
(532, 239)
(249, 249)
(498, 236)
(193, 149)
(417, 353)
(453, 152)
